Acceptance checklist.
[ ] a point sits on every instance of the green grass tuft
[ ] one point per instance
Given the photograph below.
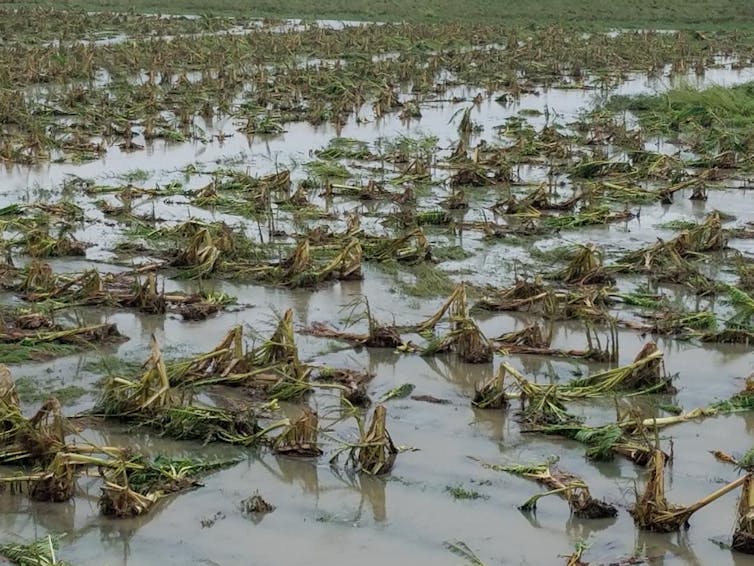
(460, 492)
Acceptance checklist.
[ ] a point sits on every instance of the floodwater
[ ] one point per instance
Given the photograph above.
(325, 515)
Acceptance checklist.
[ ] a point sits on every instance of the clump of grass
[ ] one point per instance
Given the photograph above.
(460, 492)
(23, 352)
(642, 297)
(398, 392)
(553, 255)
(264, 123)
(32, 392)
(405, 148)
(592, 168)
(135, 176)
(434, 218)
(344, 148)
(111, 365)
(327, 170)
(740, 402)
(450, 253)
(428, 281)
(586, 217)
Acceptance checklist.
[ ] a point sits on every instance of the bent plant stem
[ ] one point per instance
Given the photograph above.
(652, 512)
(573, 489)
(531, 503)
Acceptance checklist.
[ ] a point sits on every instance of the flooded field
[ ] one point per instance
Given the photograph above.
(336, 293)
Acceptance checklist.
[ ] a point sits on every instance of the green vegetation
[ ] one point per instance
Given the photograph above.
(716, 122)
(686, 106)
(24, 352)
(460, 492)
(33, 391)
(450, 253)
(36, 553)
(398, 392)
(595, 13)
(462, 550)
(678, 225)
(425, 281)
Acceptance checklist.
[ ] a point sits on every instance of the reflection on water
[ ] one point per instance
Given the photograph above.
(668, 548)
(586, 529)
(297, 472)
(492, 423)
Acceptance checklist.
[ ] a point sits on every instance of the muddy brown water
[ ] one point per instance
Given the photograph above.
(325, 515)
